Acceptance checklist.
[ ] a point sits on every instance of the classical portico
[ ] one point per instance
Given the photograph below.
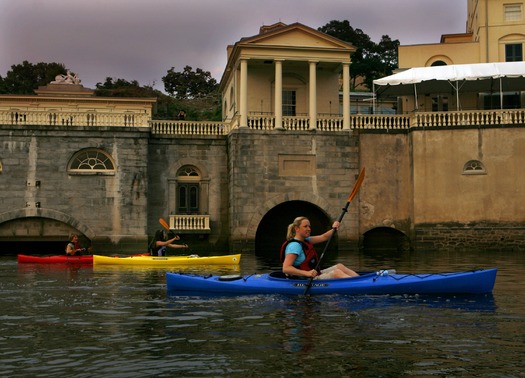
(307, 67)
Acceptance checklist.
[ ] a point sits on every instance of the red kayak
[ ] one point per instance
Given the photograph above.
(61, 259)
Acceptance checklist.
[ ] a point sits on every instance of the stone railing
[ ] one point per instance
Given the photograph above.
(471, 117)
(190, 223)
(379, 121)
(47, 118)
(298, 123)
(267, 121)
(189, 127)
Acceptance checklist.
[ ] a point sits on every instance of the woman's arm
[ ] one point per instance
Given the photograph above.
(160, 243)
(324, 237)
(288, 267)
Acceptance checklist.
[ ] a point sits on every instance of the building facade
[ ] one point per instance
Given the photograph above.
(102, 167)
(495, 32)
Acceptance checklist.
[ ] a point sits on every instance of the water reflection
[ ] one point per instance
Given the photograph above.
(119, 321)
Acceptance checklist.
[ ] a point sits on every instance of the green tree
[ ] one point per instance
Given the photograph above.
(370, 60)
(189, 84)
(26, 77)
(123, 88)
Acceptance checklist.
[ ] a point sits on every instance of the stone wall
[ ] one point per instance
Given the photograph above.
(109, 209)
(480, 236)
(166, 154)
(267, 168)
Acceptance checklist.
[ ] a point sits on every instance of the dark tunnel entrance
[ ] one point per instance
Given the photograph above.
(271, 232)
(385, 240)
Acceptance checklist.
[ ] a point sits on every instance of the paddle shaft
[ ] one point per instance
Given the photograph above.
(357, 185)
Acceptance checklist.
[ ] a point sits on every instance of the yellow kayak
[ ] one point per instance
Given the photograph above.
(167, 260)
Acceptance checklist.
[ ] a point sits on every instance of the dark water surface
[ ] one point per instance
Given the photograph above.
(119, 322)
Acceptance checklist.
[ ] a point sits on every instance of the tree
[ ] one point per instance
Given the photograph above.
(189, 84)
(123, 88)
(26, 77)
(370, 61)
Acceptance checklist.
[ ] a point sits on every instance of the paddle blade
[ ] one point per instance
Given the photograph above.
(357, 185)
(164, 224)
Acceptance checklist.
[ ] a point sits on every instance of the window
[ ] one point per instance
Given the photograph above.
(511, 100)
(438, 63)
(90, 162)
(188, 190)
(514, 52)
(512, 12)
(474, 167)
(289, 103)
(440, 104)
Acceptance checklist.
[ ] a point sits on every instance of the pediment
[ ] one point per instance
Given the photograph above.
(296, 35)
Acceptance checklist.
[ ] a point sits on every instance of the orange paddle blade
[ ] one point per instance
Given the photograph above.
(357, 185)
(164, 224)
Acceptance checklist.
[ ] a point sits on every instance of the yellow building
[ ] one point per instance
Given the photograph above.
(495, 32)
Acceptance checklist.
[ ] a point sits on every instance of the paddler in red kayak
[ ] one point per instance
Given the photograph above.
(74, 248)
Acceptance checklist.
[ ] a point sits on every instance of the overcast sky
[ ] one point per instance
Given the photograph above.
(142, 39)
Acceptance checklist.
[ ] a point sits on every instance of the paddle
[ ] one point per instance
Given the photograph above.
(357, 185)
(164, 224)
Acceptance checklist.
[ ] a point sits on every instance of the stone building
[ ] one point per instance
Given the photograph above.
(103, 167)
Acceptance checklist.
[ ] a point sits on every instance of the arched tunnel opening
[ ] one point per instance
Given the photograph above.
(271, 232)
(36, 236)
(385, 240)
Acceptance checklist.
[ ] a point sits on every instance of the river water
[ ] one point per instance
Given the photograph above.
(120, 322)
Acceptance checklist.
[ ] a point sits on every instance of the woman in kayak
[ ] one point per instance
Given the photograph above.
(74, 248)
(299, 256)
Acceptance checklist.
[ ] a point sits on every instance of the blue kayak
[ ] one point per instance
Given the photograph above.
(477, 281)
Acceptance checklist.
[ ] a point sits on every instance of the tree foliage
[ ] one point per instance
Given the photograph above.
(26, 77)
(123, 88)
(166, 107)
(189, 84)
(370, 61)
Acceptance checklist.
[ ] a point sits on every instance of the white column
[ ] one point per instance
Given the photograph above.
(278, 94)
(313, 95)
(346, 96)
(243, 97)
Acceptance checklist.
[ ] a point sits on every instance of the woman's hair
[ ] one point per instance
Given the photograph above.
(72, 236)
(291, 227)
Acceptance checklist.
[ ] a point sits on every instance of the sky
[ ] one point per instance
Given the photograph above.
(142, 39)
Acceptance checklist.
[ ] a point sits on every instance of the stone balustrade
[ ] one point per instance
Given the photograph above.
(267, 121)
(81, 118)
(189, 127)
(190, 223)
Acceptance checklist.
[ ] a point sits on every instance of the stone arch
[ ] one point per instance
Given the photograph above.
(261, 210)
(438, 58)
(385, 239)
(514, 37)
(174, 168)
(204, 183)
(272, 229)
(49, 214)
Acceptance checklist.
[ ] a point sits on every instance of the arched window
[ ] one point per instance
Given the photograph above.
(474, 167)
(438, 63)
(91, 161)
(188, 190)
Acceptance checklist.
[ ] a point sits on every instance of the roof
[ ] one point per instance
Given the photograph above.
(473, 77)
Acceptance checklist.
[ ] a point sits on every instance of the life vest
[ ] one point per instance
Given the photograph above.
(310, 262)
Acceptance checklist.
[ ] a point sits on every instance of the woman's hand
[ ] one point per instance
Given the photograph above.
(312, 273)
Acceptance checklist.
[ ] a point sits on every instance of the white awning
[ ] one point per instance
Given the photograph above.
(481, 77)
